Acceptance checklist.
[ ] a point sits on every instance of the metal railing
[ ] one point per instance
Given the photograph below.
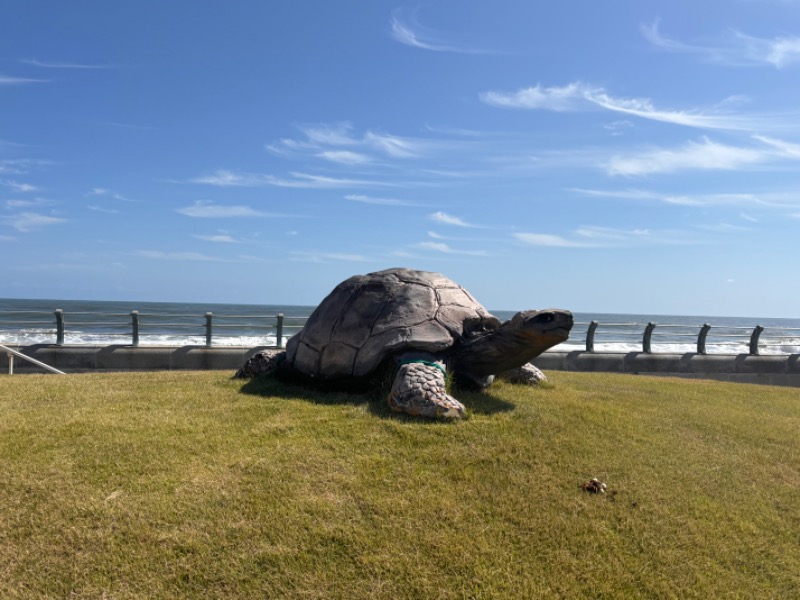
(700, 336)
(12, 353)
(131, 328)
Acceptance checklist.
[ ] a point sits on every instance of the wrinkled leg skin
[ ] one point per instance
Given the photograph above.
(526, 374)
(264, 363)
(419, 389)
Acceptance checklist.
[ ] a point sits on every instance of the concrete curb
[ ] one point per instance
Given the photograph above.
(781, 369)
(76, 359)
(773, 369)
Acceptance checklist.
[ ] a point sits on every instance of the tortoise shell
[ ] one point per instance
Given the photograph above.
(368, 318)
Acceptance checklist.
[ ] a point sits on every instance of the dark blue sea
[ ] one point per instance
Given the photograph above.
(26, 322)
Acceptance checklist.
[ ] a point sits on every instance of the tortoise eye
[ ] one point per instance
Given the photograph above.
(547, 317)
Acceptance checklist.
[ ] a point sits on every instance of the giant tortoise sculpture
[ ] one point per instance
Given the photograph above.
(421, 324)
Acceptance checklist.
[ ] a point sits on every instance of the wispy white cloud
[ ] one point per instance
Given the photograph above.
(207, 210)
(19, 187)
(177, 256)
(307, 180)
(446, 219)
(408, 31)
(618, 127)
(780, 52)
(220, 238)
(224, 178)
(378, 201)
(571, 97)
(345, 157)
(626, 194)
(60, 65)
(26, 202)
(337, 142)
(787, 149)
(546, 239)
(323, 257)
(108, 193)
(734, 49)
(782, 200)
(330, 134)
(103, 209)
(9, 80)
(704, 155)
(455, 175)
(578, 96)
(447, 249)
(21, 166)
(481, 239)
(680, 199)
(393, 145)
(652, 33)
(121, 125)
(611, 234)
(29, 221)
(615, 237)
(608, 237)
(644, 108)
(723, 227)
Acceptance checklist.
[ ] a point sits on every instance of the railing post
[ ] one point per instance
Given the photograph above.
(135, 327)
(754, 340)
(279, 330)
(648, 334)
(10, 364)
(209, 317)
(701, 338)
(59, 327)
(590, 336)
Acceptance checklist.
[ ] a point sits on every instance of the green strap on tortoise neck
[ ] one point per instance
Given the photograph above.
(421, 361)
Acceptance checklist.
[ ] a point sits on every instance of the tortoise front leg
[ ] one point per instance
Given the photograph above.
(419, 389)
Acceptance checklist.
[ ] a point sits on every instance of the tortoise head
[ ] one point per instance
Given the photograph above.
(540, 329)
(517, 341)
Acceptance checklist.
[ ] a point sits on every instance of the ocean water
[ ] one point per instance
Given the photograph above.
(26, 322)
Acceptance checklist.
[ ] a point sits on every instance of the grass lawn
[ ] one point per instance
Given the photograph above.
(182, 485)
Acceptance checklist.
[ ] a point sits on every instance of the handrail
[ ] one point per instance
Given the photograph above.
(12, 353)
(647, 336)
(750, 339)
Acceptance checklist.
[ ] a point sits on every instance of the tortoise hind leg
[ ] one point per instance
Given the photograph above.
(419, 389)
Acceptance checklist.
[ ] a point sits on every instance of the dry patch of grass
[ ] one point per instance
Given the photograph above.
(194, 485)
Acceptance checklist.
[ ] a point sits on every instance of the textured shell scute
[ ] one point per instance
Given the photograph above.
(368, 318)
(428, 336)
(361, 311)
(410, 305)
(327, 315)
(338, 359)
(305, 359)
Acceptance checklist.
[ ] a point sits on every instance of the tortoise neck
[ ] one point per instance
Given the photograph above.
(494, 352)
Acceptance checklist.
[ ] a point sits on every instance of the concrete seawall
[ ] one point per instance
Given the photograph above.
(76, 359)
(773, 369)
(781, 369)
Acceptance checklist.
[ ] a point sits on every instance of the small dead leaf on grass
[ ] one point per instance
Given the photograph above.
(113, 495)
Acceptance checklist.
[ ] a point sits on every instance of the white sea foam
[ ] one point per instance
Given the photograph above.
(25, 323)
(32, 336)
(29, 337)
(766, 347)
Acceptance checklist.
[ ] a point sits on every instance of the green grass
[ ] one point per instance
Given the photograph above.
(175, 485)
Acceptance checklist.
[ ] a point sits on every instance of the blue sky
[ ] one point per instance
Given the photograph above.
(599, 156)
